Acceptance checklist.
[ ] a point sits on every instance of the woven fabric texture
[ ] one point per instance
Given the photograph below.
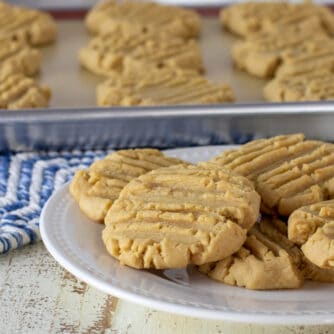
(27, 180)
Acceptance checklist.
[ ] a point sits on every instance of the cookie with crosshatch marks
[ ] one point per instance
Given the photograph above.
(175, 216)
(261, 54)
(316, 85)
(312, 55)
(167, 86)
(25, 24)
(277, 231)
(96, 188)
(142, 17)
(288, 171)
(18, 57)
(312, 227)
(248, 18)
(19, 92)
(267, 260)
(107, 53)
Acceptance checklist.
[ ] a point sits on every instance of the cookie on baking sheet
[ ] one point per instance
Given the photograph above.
(311, 55)
(161, 87)
(288, 171)
(261, 54)
(248, 18)
(96, 188)
(310, 86)
(266, 261)
(20, 92)
(312, 227)
(106, 53)
(178, 215)
(18, 57)
(143, 17)
(25, 24)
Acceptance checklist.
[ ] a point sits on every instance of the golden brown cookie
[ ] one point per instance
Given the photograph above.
(317, 85)
(18, 57)
(260, 55)
(312, 227)
(267, 260)
(253, 17)
(288, 171)
(28, 25)
(106, 53)
(143, 17)
(313, 54)
(314, 273)
(161, 87)
(178, 215)
(20, 92)
(98, 187)
(277, 231)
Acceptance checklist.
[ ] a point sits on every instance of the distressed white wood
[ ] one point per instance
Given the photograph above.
(38, 296)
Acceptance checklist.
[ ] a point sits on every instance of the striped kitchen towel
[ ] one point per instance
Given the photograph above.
(27, 180)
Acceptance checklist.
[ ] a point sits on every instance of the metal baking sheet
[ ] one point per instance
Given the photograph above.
(162, 127)
(84, 4)
(74, 122)
(74, 87)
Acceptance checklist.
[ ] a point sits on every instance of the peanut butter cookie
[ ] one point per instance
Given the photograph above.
(312, 55)
(25, 24)
(288, 171)
(312, 227)
(18, 57)
(260, 55)
(253, 17)
(267, 260)
(143, 17)
(20, 92)
(98, 187)
(310, 86)
(178, 215)
(161, 87)
(106, 53)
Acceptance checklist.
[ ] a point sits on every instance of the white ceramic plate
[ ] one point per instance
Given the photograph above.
(75, 242)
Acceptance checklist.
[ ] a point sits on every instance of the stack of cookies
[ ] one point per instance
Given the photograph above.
(258, 217)
(150, 55)
(291, 42)
(21, 30)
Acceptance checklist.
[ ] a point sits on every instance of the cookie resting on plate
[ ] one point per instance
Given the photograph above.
(180, 215)
(96, 188)
(288, 171)
(266, 261)
(312, 227)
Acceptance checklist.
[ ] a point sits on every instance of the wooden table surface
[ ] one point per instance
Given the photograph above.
(39, 296)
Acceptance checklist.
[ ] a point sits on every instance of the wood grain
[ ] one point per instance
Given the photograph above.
(38, 296)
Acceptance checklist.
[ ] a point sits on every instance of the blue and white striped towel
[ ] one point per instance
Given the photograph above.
(27, 180)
